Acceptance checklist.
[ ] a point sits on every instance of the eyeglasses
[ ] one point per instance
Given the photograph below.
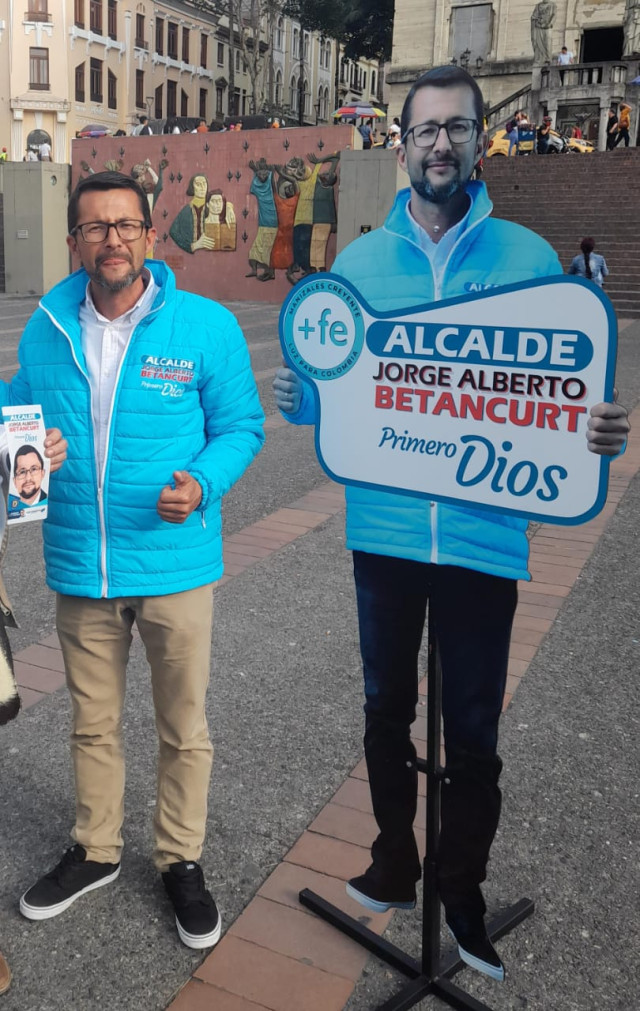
(459, 131)
(31, 472)
(97, 231)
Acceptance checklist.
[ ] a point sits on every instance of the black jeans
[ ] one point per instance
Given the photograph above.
(473, 614)
(622, 134)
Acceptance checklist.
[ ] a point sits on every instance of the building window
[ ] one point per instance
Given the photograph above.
(185, 45)
(203, 103)
(159, 37)
(79, 78)
(306, 46)
(220, 56)
(95, 80)
(172, 94)
(140, 89)
(279, 39)
(38, 69)
(158, 105)
(203, 51)
(295, 44)
(234, 103)
(472, 30)
(184, 103)
(373, 82)
(78, 13)
(172, 41)
(112, 19)
(278, 89)
(237, 60)
(293, 95)
(140, 31)
(38, 10)
(219, 97)
(95, 16)
(112, 90)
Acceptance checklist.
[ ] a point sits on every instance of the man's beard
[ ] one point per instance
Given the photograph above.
(116, 285)
(437, 194)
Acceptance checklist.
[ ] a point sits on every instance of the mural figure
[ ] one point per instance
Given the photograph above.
(286, 197)
(187, 229)
(541, 23)
(315, 214)
(262, 189)
(151, 182)
(220, 221)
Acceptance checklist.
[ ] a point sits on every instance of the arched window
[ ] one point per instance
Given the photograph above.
(373, 82)
(322, 112)
(280, 34)
(278, 90)
(295, 48)
(326, 103)
(293, 96)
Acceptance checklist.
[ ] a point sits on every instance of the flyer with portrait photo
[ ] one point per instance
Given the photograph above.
(28, 466)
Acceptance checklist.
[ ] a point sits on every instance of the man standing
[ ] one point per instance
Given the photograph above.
(437, 240)
(144, 129)
(155, 392)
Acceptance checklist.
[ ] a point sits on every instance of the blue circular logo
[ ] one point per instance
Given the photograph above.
(322, 327)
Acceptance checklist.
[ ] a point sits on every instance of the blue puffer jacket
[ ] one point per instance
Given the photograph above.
(392, 273)
(184, 399)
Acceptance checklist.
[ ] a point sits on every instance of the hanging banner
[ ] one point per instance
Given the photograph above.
(481, 400)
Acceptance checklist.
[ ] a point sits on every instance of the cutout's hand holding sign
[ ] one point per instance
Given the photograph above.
(483, 400)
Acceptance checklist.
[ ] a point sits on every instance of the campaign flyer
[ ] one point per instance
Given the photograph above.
(29, 468)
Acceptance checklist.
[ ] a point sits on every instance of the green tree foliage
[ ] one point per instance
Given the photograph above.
(363, 27)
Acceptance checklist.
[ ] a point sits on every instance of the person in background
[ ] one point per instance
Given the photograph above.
(589, 264)
(145, 130)
(543, 133)
(202, 127)
(564, 57)
(366, 132)
(3, 154)
(624, 122)
(31, 155)
(44, 151)
(612, 129)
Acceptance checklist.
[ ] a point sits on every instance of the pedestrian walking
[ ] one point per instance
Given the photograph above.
(589, 264)
(612, 129)
(542, 135)
(460, 560)
(154, 386)
(624, 123)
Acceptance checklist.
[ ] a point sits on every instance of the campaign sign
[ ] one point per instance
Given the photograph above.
(28, 466)
(479, 400)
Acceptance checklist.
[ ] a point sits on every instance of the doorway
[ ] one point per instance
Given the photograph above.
(601, 45)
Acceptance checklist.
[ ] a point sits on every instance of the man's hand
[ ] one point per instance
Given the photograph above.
(288, 390)
(204, 242)
(55, 448)
(175, 504)
(608, 427)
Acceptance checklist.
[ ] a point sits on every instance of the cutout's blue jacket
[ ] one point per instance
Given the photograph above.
(184, 399)
(392, 273)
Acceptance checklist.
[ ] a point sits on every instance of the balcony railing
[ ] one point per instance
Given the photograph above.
(141, 44)
(37, 16)
(580, 75)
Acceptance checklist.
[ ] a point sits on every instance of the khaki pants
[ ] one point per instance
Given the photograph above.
(95, 636)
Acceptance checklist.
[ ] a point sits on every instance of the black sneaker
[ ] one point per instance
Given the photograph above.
(73, 877)
(197, 917)
(474, 946)
(380, 893)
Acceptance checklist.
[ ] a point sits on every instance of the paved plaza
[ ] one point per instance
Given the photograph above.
(289, 804)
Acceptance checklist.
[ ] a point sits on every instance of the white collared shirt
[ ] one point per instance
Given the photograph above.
(438, 252)
(104, 342)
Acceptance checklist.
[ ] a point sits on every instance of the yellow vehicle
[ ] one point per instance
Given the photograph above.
(499, 144)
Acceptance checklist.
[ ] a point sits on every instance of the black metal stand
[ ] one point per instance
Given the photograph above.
(431, 974)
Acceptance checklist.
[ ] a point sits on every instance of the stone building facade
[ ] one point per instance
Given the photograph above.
(67, 64)
(512, 46)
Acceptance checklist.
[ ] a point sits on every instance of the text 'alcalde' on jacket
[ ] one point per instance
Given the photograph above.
(392, 273)
(184, 399)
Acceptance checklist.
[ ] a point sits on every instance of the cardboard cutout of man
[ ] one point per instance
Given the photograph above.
(438, 239)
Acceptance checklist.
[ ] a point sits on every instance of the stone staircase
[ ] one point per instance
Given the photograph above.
(566, 197)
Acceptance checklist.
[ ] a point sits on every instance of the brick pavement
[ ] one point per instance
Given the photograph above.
(277, 956)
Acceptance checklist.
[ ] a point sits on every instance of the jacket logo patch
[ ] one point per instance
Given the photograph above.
(478, 286)
(172, 370)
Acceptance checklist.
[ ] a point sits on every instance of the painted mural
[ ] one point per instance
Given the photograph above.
(238, 216)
